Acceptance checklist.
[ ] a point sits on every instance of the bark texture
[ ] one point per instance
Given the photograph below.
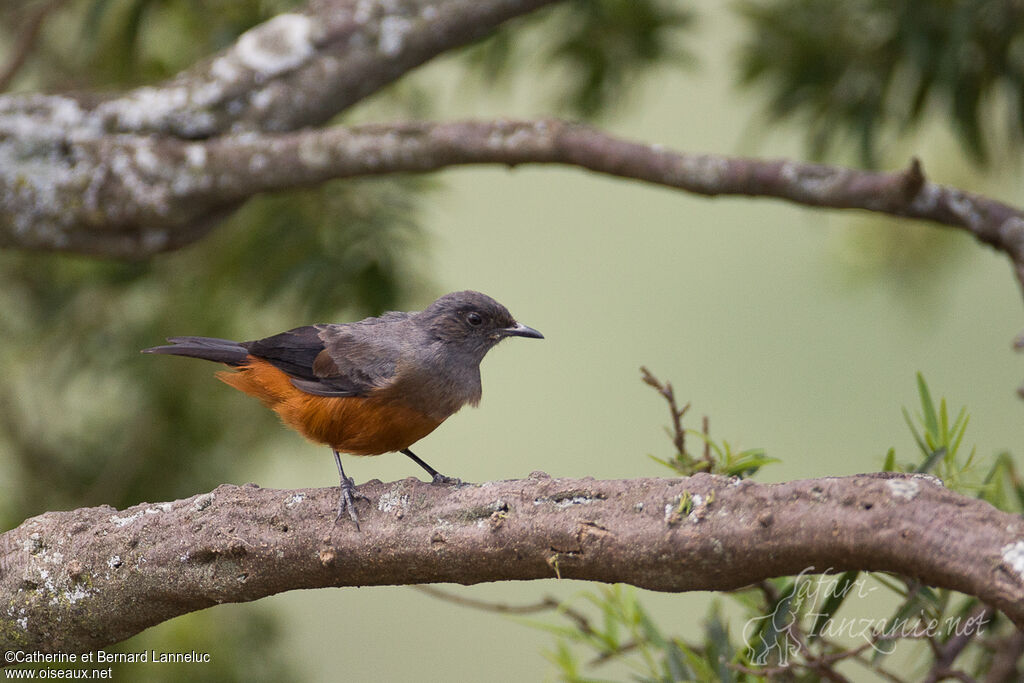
(154, 169)
(83, 579)
(113, 175)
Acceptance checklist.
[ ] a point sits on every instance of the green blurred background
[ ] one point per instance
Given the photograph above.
(795, 330)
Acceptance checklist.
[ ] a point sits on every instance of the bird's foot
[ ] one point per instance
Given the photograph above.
(443, 480)
(347, 500)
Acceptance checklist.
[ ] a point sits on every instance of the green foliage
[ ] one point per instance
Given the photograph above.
(342, 244)
(785, 628)
(621, 631)
(721, 458)
(240, 648)
(857, 69)
(911, 259)
(1003, 486)
(803, 628)
(939, 442)
(598, 48)
(717, 458)
(607, 43)
(136, 41)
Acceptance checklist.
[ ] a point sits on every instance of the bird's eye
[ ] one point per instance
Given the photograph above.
(474, 319)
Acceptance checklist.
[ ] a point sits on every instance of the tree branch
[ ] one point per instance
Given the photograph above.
(131, 196)
(84, 172)
(314, 156)
(155, 168)
(297, 69)
(84, 579)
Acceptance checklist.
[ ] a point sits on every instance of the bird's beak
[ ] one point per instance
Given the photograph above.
(521, 330)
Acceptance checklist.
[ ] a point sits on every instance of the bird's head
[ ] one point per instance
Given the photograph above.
(472, 323)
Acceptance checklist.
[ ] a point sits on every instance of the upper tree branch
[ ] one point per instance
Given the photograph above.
(297, 69)
(314, 156)
(87, 578)
(131, 196)
(153, 169)
(84, 173)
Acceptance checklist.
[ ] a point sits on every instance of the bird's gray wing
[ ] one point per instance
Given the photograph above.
(350, 359)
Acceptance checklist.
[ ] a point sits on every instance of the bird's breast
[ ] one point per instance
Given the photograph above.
(435, 389)
(378, 423)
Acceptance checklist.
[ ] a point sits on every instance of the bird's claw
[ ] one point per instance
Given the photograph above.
(449, 481)
(347, 500)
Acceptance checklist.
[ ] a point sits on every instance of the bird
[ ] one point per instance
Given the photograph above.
(369, 387)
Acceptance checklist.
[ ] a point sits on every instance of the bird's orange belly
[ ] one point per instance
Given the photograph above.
(361, 426)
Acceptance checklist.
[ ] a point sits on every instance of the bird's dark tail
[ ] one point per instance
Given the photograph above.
(207, 348)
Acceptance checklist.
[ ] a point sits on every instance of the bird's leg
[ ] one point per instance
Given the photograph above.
(436, 476)
(349, 495)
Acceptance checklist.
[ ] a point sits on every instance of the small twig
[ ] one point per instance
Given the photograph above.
(825, 670)
(580, 619)
(847, 654)
(821, 665)
(945, 673)
(1004, 660)
(666, 391)
(771, 594)
(546, 604)
(706, 429)
(912, 180)
(781, 669)
(946, 653)
(877, 669)
(26, 41)
(605, 657)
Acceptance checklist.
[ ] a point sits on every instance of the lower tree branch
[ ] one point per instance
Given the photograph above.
(87, 578)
